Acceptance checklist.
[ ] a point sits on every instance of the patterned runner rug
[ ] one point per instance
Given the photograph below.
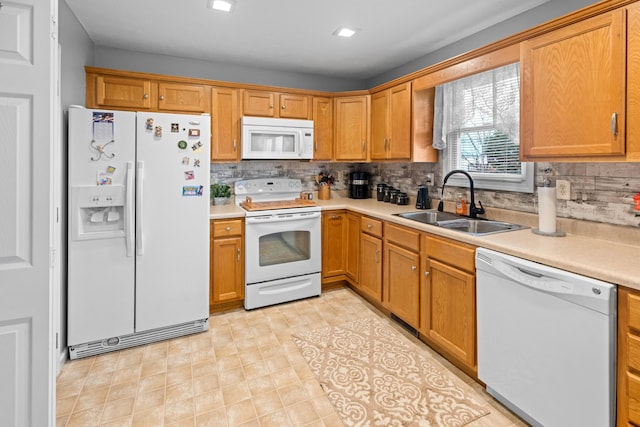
(373, 376)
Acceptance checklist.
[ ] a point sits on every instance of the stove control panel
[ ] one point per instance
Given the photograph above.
(267, 189)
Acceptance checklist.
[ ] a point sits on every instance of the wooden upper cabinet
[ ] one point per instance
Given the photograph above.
(322, 128)
(294, 106)
(391, 123)
(351, 127)
(573, 90)
(120, 92)
(225, 125)
(183, 97)
(273, 104)
(128, 92)
(633, 82)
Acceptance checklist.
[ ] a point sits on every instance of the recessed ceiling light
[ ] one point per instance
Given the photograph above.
(223, 5)
(345, 32)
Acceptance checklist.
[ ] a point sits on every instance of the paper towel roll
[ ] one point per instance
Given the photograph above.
(547, 209)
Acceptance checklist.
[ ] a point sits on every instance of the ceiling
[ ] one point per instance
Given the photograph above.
(293, 35)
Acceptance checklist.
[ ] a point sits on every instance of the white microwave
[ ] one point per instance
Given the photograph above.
(267, 138)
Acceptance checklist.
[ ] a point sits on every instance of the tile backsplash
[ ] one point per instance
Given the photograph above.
(601, 192)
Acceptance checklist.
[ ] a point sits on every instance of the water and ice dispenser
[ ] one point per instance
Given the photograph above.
(97, 212)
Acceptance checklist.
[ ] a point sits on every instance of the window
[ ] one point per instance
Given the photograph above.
(477, 127)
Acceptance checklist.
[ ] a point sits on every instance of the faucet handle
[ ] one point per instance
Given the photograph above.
(480, 210)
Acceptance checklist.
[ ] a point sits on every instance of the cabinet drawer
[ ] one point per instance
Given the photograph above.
(371, 226)
(404, 237)
(227, 228)
(634, 311)
(453, 253)
(633, 393)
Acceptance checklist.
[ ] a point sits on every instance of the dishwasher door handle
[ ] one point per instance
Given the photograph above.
(533, 279)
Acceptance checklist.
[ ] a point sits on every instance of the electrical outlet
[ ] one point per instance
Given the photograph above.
(429, 179)
(340, 176)
(563, 189)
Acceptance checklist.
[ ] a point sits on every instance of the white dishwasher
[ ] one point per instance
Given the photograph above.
(546, 341)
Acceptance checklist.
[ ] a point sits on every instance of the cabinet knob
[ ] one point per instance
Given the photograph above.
(335, 216)
(377, 257)
(270, 105)
(413, 268)
(145, 96)
(228, 228)
(161, 97)
(234, 144)
(238, 254)
(614, 124)
(426, 273)
(369, 226)
(282, 107)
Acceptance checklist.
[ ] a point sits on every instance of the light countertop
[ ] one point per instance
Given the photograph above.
(605, 252)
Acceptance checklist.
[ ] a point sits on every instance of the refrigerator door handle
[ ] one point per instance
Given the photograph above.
(128, 223)
(139, 225)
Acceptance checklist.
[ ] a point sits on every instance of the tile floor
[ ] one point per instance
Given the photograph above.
(245, 371)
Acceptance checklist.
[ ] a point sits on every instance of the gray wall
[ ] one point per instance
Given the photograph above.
(509, 27)
(163, 64)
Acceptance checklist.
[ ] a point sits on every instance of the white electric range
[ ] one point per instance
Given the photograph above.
(283, 257)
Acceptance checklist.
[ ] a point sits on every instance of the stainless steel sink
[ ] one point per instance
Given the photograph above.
(479, 226)
(429, 216)
(476, 227)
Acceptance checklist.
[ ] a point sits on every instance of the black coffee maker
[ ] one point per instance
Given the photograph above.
(359, 185)
(422, 200)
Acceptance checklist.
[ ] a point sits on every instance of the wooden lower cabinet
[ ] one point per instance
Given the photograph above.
(371, 258)
(401, 273)
(449, 301)
(226, 264)
(628, 357)
(334, 251)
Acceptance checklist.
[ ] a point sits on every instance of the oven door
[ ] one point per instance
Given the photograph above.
(280, 245)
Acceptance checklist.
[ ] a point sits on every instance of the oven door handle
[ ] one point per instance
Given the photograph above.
(281, 218)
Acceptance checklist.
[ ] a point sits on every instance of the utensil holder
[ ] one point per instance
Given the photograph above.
(324, 192)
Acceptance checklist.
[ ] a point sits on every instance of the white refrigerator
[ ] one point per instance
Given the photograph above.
(138, 244)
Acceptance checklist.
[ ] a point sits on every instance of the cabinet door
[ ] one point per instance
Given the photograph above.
(124, 92)
(399, 134)
(451, 314)
(333, 249)
(379, 125)
(182, 97)
(225, 125)
(227, 270)
(402, 283)
(258, 103)
(294, 106)
(632, 136)
(322, 128)
(573, 90)
(351, 127)
(371, 262)
(353, 247)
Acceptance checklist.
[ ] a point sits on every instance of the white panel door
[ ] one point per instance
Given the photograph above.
(28, 51)
(172, 220)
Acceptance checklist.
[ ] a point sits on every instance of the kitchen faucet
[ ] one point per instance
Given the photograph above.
(473, 210)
